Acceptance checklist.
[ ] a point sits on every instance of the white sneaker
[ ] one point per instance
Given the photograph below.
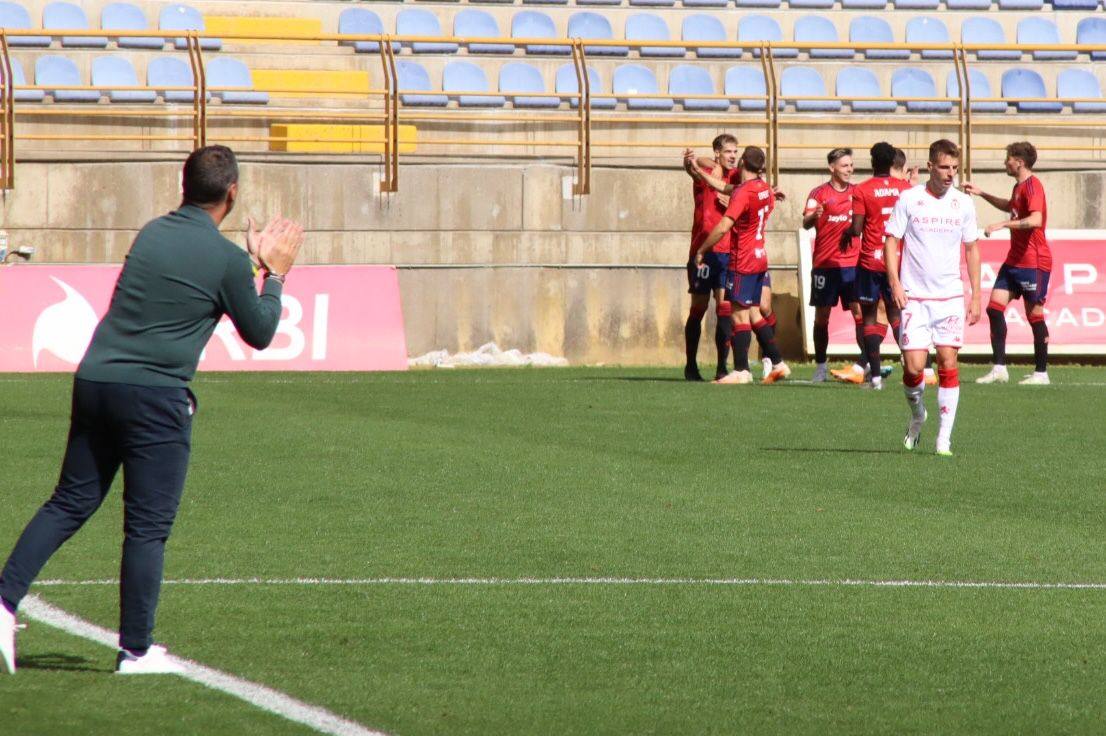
(7, 638)
(914, 430)
(766, 366)
(875, 383)
(736, 377)
(156, 661)
(997, 374)
(821, 374)
(1035, 379)
(779, 372)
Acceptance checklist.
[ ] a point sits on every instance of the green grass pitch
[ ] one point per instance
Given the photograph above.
(594, 473)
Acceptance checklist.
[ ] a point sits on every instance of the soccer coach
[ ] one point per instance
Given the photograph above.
(131, 404)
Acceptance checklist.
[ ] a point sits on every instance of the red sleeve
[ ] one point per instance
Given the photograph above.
(812, 197)
(739, 200)
(1034, 197)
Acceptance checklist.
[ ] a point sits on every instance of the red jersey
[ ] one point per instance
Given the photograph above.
(875, 199)
(836, 219)
(1029, 248)
(708, 213)
(750, 206)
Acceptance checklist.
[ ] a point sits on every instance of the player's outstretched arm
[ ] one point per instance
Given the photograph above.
(1032, 220)
(891, 260)
(971, 254)
(723, 226)
(998, 203)
(716, 183)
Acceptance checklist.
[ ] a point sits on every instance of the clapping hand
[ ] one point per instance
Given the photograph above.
(275, 248)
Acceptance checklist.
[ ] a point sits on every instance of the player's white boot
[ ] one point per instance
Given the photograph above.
(7, 638)
(944, 449)
(914, 430)
(156, 661)
(997, 374)
(1035, 379)
(821, 373)
(779, 372)
(875, 383)
(736, 377)
(765, 367)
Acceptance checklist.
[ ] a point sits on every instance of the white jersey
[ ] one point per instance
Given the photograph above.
(933, 231)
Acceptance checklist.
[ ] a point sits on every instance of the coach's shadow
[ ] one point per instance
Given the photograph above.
(56, 662)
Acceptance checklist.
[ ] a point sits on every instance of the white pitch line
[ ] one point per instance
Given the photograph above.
(704, 582)
(265, 698)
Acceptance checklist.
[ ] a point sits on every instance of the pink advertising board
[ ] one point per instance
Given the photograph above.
(1075, 308)
(335, 318)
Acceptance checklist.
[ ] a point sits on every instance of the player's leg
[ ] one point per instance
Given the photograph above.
(693, 330)
(742, 339)
(948, 395)
(1035, 309)
(723, 332)
(916, 339)
(767, 314)
(874, 334)
(996, 316)
(821, 343)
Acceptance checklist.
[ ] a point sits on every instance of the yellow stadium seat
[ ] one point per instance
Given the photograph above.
(224, 25)
(311, 83)
(323, 138)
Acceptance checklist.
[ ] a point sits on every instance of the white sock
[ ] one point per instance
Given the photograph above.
(914, 399)
(877, 380)
(947, 399)
(859, 368)
(820, 366)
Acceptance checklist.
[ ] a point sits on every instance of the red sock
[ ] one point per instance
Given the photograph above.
(948, 377)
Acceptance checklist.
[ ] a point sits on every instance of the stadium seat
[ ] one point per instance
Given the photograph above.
(127, 17)
(61, 16)
(1085, 5)
(117, 70)
(1080, 83)
(916, 4)
(1027, 83)
(536, 24)
(869, 29)
(545, 2)
(19, 80)
(361, 22)
(651, 3)
(686, 79)
(811, 4)
(650, 27)
(517, 77)
(464, 76)
(706, 3)
(1020, 4)
(227, 72)
(1092, 31)
(169, 71)
(818, 29)
(566, 84)
(753, 28)
(707, 28)
(968, 4)
(746, 80)
(598, 2)
(863, 4)
(855, 81)
(58, 71)
(909, 81)
(15, 17)
(929, 30)
(632, 79)
(419, 22)
(757, 3)
(472, 23)
(185, 18)
(798, 83)
(986, 31)
(412, 77)
(1036, 31)
(981, 88)
(594, 27)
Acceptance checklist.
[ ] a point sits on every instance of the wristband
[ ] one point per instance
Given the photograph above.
(275, 276)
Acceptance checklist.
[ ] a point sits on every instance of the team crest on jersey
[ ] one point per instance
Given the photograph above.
(956, 204)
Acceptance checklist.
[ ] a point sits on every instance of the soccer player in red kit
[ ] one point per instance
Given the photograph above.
(829, 210)
(710, 277)
(751, 204)
(1025, 272)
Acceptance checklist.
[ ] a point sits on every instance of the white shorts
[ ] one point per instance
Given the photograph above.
(933, 322)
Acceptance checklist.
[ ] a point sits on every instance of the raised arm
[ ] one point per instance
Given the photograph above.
(998, 203)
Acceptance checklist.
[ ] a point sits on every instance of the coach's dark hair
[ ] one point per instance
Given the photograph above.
(208, 174)
(753, 160)
(883, 157)
(1023, 150)
(722, 140)
(943, 147)
(837, 154)
(899, 161)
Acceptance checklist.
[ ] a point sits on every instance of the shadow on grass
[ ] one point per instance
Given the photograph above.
(644, 379)
(847, 450)
(56, 662)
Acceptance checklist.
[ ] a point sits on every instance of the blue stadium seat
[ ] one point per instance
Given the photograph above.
(361, 22)
(855, 81)
(419, 22)
(117, 70)
(127, 17)
(985, 30)
(1080, 83)
(185, 18)
(472, 23)
(797, 83)
(598, 2)
(536, 24)
(811, 4)
(757, 3)
(61, 16)
(929, 30)
(19, 80)
(517, 77)
(968, 4)
(863, 4)
(633, 79)
(566, 84)
(593, 26)
(651, 3)
(1092, 31)
(762, 28)
(746, 80)
(169, 71)
(464, 76)
(1084, 5)
(686, 79)
(981, 88)
(909, 81)
(650, 27)
(412, 77)
(227, 72)
(1020, 4)
(58, 71)
(707, 28)
(915, 4)
(819, 29)
(545, 2)
(1034, 30)
(869, 29)
(706, 3)
(15, 17)
(1027, 83)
